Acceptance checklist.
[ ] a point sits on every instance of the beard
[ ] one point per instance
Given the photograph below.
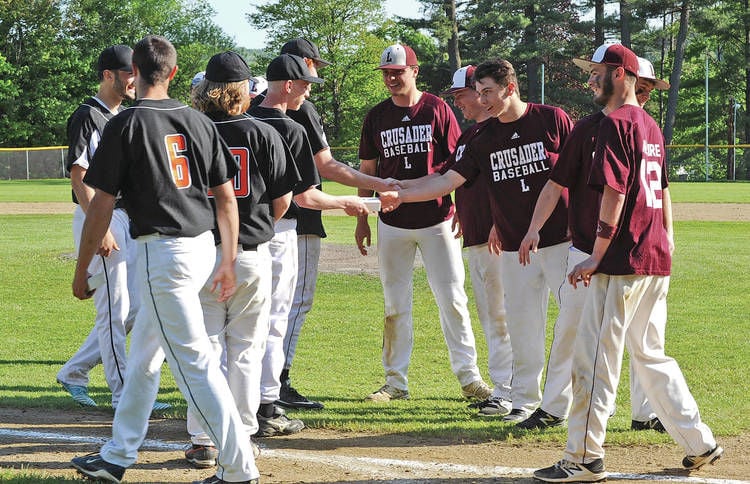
(122, 89)
(608, 89)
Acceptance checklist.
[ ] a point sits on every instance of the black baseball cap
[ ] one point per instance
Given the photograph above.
(115, 58)
(303, 48)
(290, 67)
(227, 66)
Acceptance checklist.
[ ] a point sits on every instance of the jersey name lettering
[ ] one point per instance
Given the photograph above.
(179, 163)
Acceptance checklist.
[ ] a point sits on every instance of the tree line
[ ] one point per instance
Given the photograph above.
(48, 50)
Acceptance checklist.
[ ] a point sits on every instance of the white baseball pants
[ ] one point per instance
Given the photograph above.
(558, 394)
(441, 254)
(283, 249)
(116, 304)
(485, 270)
(527, 290)
(630, 310)
(172, 271)
(238, 329)
(308, 256)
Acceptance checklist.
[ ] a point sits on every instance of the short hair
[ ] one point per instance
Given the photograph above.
(155, 57)
(220, 97)
(500, 70)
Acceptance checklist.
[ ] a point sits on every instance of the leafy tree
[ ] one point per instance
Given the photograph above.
(343, 31)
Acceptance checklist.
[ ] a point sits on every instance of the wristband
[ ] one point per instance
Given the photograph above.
(605, 230)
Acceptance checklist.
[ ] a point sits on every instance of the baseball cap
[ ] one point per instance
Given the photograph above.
(227, 66)
(290, 67)
(611, 54)
(258, 84)
(646, 71)
(398, 56)
(115, 58)
(303, 48)
(197, 78)
(463, 78)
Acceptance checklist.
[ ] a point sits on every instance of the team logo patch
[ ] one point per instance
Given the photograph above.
(460, 152)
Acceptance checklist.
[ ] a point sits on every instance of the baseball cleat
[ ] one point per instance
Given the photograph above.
(95, 467)
(540, 420)
(493, 407)
(652, 424)
(695, 462)
(478, 390)
(278, 424)
(202, 456)
(215, 480)
(517, 415)
(386, 393)
(291, 398)
(566, 471)
(79, 393)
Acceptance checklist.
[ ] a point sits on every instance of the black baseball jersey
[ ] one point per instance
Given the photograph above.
(84, 130)
(266, 172)
(162, 156)
(296, 139)
(309, 221)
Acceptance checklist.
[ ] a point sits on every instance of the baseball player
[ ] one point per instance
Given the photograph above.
(643, 416)
(163, 156)
(263, 187)
(116, 301)
(627, 275)
(408, 136)
(474, 220)
(310, 229)
(288, 85)
(513, 153)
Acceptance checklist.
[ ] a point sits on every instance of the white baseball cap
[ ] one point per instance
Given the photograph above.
(646, 71)
(398, 56)
(463, 78)
(197, 78)
(258, 84)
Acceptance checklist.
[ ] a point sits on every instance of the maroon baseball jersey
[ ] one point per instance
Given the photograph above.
(411, 142)
(515, 160)
(630, 159)
(572, 171)
(471, 198)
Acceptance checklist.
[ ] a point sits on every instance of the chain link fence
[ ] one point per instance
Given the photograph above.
(687, 162)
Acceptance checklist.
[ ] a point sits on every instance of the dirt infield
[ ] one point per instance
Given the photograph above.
(45, 441)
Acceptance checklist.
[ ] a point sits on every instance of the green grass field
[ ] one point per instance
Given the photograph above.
(338, 360)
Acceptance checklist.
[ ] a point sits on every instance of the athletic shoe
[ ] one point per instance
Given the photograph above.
(652, 424)
(94, 466)
(494, 407)
(478, 390)
(695, 462)
(160, 407)
(566, 471)
(517, 415)
(215, 480)
(202, 456)
(291, 398)
(388, 393)
(278, 424)
(79, 393)
(540, 420)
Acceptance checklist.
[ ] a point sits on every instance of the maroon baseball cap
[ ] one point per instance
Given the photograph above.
(398, 56)
(615, 55)
(463, 78)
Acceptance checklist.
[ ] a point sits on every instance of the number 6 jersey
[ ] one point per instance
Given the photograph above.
(163, 156)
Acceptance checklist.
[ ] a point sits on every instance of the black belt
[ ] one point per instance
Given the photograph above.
(251, 247)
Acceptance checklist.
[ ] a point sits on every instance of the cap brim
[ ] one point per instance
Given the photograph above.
(661, 85)
(321, 61)
(315, 80)
(392, 66)
(585, 65)
(452, 91)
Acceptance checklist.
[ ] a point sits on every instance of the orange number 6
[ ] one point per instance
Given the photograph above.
(179, 163)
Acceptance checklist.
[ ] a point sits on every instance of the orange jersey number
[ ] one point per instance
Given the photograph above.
(178, 162)
(241, 181)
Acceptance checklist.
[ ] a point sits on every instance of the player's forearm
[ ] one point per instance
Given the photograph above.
(227, 220)
(317, 200)
(94, 227)
(334, 170)
(280, 205)
(609, 216)
(83, 192)
(545, 205)
(367, 168)
(431, 188)
(666, 202)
